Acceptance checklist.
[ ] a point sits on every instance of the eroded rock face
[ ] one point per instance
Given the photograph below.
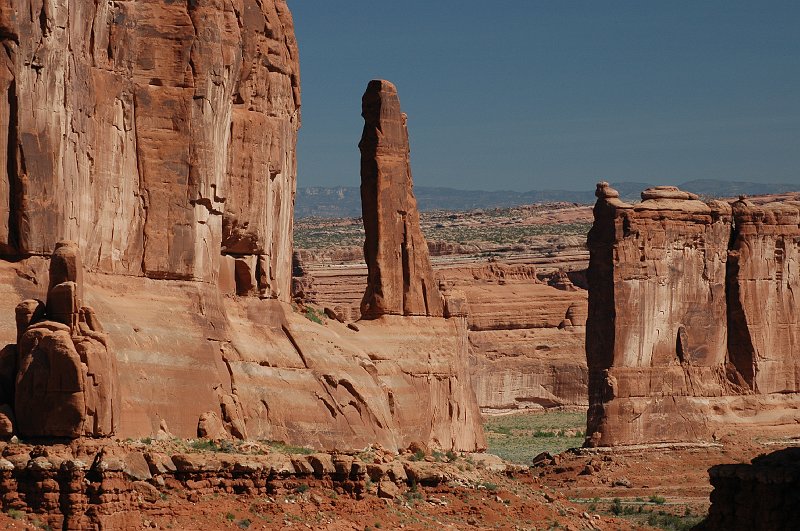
(400, 280)
(66, 377)
(681, 294)
(763, 284)
(160, 137)
(154, 134)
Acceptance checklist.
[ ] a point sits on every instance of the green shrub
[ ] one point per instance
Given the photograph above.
(616, 506)
(313, 315)
(658, 500)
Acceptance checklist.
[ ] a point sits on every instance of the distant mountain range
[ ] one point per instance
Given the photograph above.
(345, 202)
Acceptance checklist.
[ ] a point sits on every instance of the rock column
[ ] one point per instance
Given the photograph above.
(400, 280)
(66, 379)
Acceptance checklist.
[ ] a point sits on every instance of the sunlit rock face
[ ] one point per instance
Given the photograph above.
(159, 137)
(153, 134)
(681, 292)
(400, 280)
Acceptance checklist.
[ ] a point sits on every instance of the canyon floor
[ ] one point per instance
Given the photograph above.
(657, 487)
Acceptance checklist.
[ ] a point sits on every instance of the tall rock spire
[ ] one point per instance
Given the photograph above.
(400, 275)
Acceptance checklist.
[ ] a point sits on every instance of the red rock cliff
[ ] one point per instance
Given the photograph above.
(155, 134)
(160, 137)
(691, 311)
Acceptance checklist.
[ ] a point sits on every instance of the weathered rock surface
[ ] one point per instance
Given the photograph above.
(523, 354)
(106, 485)
(526, 339)
(66, 377)
(400, 280)
(763, 307)
(160, 137)
(153, 134)
(680, 296)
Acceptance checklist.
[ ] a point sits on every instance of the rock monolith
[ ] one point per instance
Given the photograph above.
(400, 280)
(66, 379)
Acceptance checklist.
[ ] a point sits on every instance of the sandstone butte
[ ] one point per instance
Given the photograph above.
(693, 319)
(159, 137)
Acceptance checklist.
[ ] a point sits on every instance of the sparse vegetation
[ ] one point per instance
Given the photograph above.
(419, 455)
(522, 436)
(500, 229)
(314, 315)
(487, 485)
(206, 445)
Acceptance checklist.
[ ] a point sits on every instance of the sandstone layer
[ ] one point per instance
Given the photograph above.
(526, 338)
(400, 279)
(160, 138)
(692, 318)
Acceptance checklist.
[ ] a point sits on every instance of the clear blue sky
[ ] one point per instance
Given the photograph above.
(534, 94)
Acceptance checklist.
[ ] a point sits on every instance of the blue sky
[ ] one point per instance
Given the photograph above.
(557, 94)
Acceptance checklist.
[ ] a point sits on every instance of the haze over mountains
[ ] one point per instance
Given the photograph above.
(342, 201)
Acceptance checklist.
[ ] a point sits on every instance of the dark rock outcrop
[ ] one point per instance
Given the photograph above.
(400, 278)
(760, 496)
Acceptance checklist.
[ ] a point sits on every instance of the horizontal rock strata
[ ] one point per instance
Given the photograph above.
(692, 318)
(109, 487)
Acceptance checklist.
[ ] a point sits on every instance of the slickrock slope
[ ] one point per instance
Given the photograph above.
(160, 137)
(680, 294)
(400, 280)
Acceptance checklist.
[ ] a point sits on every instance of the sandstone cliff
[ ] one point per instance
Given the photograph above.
(152, 133)
(526, 338)
(681, 292)
(400, 279)
(160, 137)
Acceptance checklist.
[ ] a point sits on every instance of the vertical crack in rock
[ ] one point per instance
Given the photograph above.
(13, 167)
(400, 279)
(740, 345)
(690, 301)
